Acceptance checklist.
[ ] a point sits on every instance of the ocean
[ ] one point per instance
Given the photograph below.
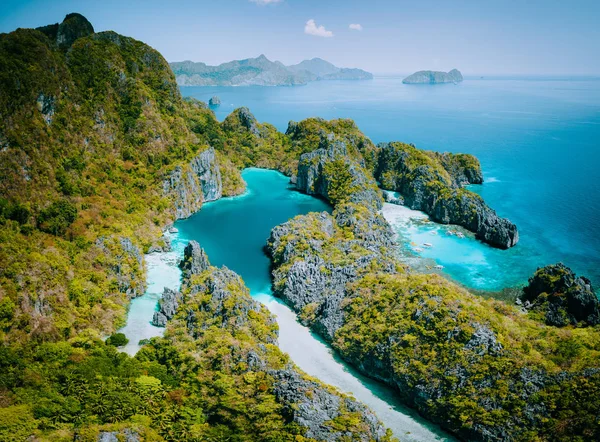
(538, 140)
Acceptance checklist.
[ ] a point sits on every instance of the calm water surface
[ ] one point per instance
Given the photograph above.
(538, 140)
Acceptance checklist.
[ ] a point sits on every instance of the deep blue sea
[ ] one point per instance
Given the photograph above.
(538, 140)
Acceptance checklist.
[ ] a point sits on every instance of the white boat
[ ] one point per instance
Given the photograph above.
(460, 235)
(418, 249)
(439, 267)
(427, 244)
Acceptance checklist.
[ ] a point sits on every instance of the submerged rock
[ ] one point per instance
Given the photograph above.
(562, 297)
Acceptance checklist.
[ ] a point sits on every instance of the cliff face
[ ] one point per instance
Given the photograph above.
(433, 183)
(434, 77)
(190, 185)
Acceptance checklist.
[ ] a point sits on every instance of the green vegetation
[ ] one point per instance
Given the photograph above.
(88, 134)
(117, 340)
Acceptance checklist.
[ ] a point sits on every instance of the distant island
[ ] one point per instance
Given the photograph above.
(434, 77)
(261, 71)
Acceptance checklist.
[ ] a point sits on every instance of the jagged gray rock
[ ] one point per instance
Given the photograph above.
(167, 307)
(214, 101)
(562, 296)
(194, 260)
(315, 283)
(220, 299)
(197, 182)
(46, 104)
(437, 190)
(125, 435)
(126, 264)
(312, 405)
(314, 178)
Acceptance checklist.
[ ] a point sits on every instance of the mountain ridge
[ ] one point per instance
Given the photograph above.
(261, 71)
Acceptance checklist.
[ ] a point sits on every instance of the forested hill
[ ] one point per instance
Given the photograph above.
(93, 132)
(99, 154)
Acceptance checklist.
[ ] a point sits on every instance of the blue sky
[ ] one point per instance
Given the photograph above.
(397, 36)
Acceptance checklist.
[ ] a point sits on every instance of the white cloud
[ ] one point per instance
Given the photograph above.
(356, 27)
(265, 2)
(311, 28)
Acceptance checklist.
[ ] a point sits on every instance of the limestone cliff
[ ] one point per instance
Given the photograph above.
(434, 183)
(561, 297)
(190, 185)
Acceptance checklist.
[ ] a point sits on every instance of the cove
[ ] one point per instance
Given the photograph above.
(536, 138)
(233, 232)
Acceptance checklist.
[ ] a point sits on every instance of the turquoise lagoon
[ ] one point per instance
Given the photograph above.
(538, 139)
(233, 232)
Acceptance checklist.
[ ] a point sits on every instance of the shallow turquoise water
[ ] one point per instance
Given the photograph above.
(233, 232)
(538, 140)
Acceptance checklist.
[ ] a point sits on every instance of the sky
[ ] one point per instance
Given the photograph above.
(503, 37)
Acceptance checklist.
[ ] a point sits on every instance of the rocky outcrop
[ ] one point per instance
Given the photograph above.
(433, 183)
(46, 104)
(74, 26)
(562, 297)
(126, 264)
(194, 260)
(214, 101)
(434, 77)
(308, 272)
(125, 435)
(314, 406)
(190, 185)
(167, 307)
(242, 119)
(332, 173)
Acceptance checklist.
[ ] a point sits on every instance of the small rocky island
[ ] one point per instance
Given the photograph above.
(214, 101)
(434, 77)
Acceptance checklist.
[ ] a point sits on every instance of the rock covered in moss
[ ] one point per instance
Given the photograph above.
(167, 307)
(432, 182)
(242, 119)
(332, 173)
(562, 297)
(74, 26)
(313, 263)
(190, 185)
(216, 298)
(314, 406)
(194, 260)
